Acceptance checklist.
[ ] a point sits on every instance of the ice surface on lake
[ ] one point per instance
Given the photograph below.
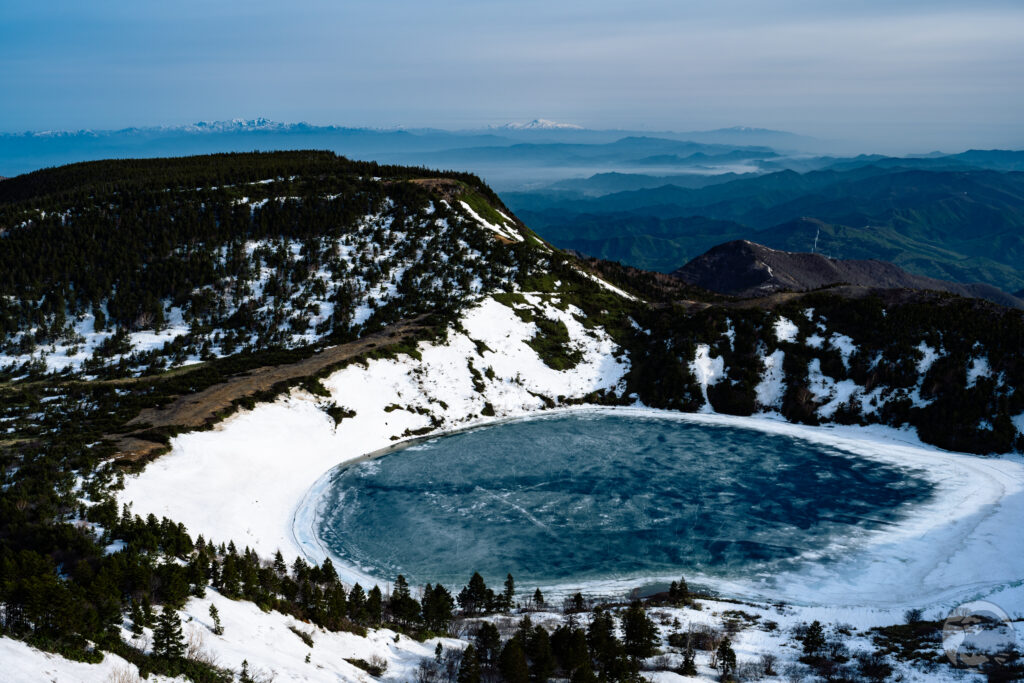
(598, 497)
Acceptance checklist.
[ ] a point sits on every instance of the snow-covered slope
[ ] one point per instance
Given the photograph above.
(273, 454)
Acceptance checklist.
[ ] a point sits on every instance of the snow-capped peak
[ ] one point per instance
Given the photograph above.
(541, 124)
(234, 124)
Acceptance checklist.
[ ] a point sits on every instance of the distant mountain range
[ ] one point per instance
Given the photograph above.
(21, 152)
(743, 268)
(960, 225)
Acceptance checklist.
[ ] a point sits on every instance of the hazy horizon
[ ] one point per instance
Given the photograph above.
(911, 76)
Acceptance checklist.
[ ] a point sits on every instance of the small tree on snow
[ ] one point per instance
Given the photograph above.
(218, 628)
(726, 659)
(168, 641)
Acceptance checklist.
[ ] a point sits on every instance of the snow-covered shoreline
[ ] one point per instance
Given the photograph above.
(891, 570)
(257, 477)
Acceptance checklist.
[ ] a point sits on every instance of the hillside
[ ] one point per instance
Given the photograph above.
(192, 343)
(113, 268)
(745, 269)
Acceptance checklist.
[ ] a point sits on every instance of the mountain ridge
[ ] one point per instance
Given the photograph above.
(746, 269)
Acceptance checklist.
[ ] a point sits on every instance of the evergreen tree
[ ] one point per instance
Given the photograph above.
(218, 629)
(538, 652)
(640, 635)
(604, 645)
(488, 644)
(438, 606)
(374, 606)
(138, 620)
(726, 659)
(512, 663)
(403, 608)
(689, 667)
(357, 605)
(814, 639)
(476, 597)
(168, 640)
(679, 592)
(328, 574)
(569, 645)
(469, 668)
(509, 595)
(538, 599)
(279, 565)
(148, 618)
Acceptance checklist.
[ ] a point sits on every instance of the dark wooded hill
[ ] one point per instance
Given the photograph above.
(746, 269)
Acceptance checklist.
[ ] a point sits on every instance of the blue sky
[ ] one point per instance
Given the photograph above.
(876, 70)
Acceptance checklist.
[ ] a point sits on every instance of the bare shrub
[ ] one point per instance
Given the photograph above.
(196, 649)
(123, 674)
(378, 663)
(705, 637)
(660, 663)
(749, 670)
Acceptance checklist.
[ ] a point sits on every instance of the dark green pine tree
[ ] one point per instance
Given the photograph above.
(508, 597)
(404, 609)
(469, 668)
(148, 618)
(689, 657)
(604, 645)
(475, 597)
(374, 606)
(538, 599)
(538, 651)
(569, 645)
(357, 604)
(437, 607)
(679, 592)
(640, 635)
(512, 663)
(138, 619)
(279, 564)
(814, 639)
(726, 659)
(168, 640)
(328, 573)
(488, 645)
(218, 628)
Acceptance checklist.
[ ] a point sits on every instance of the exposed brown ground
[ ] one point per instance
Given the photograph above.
(201, 409)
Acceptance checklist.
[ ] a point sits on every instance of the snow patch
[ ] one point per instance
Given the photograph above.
(785, 330)
(22, 662)
(977, 368)
(928, 357)
(610, 287)
(845, 346)
(826, 389)
(1018, 422)
(771, 388)
(708, 372)
(506, 231)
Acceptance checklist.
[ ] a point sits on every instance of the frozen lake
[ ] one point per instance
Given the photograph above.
(577, 499)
